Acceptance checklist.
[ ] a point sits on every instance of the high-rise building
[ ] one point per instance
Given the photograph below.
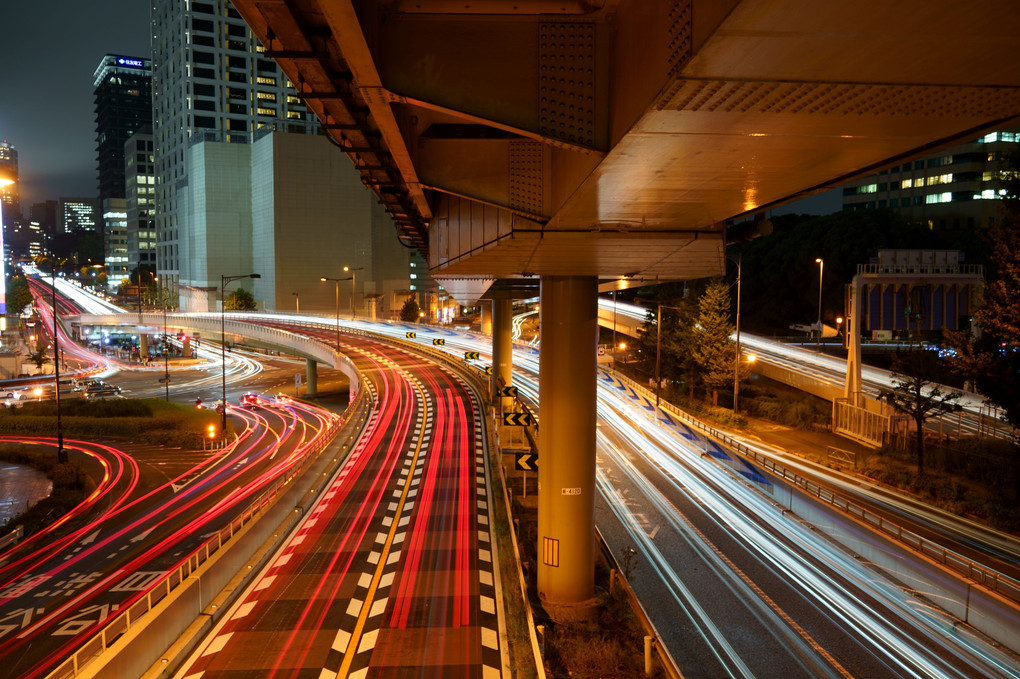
(140, 199)
(115, 246)
(246, 183)
(957, 188)
(210, 82)
(77, 214)
(10, 198)
(123, 104)
(45, 215)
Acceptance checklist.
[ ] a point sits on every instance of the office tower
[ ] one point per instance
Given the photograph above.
(115, 246)
(77, 215)
(45, 215)
(140, 199)
(246, 183)
(123, 104)
(210, 84)
(954, 189)
(10, 198)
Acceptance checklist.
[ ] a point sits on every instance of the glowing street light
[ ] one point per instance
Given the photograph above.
(336, 283)
(818, 338)
(223, 341)
(354, 285)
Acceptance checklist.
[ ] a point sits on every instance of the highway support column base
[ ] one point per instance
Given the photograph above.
(502, 349)
(311, 378)
(566, 446)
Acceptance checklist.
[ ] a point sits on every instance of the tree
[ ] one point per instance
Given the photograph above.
(409, 311)
(240, 300)
(713, 351)
(916, 391)
(40, 356)
(18, 294)
(992, 361)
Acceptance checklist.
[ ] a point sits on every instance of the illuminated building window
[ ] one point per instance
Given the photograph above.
(906, 183)
(867, 188)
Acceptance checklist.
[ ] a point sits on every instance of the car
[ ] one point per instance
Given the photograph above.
(12, 398)
(85, 383)
(102, 391)
(250, 400)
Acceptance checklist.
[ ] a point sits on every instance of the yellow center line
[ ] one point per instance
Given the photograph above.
(359, 628)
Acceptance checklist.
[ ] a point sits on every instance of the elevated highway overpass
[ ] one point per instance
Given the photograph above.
(600, 144)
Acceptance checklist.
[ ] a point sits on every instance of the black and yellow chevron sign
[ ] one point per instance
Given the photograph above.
(517, 419)
(508, 391)
(468, 355)
(439, 341)
(488, 370)
(526, 462)
(412, 335)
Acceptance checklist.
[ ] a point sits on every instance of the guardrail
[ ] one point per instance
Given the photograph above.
(967, 568)
(117, 626)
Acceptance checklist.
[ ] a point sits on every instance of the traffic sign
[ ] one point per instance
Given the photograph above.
(164, 380)
(412, 335)
(438, 341)
(470, 355)
(508, 391)
(526, 462)
(517, 419)
(488, 370)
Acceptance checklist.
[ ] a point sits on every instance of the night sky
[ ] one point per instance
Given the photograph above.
(48, 55)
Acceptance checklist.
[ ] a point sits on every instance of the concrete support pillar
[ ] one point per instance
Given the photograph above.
(143, 346)
(566, 445)
(311, 377)
(502, 346)
(485, 309)
(852, 390)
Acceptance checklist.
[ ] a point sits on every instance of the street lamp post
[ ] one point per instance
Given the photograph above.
(166, 358)
(61, 453)
(736, 361)
(354, 285)
(224, 280)
(336, 283)
(818, 337)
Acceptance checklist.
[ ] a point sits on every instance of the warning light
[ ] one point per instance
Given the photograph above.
(212, 431)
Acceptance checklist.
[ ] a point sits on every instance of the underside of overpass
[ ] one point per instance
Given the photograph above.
(599, 144)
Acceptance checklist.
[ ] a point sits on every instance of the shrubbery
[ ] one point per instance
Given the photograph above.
(71, 485)
(143, 420)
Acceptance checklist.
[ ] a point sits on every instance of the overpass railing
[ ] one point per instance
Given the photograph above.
(968, 569)
(120, 625)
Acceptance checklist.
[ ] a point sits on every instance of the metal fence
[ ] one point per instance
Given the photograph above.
(117, 626)
(970, 570)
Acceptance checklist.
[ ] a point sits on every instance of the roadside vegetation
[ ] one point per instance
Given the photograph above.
(151, 421)
(71, 485)
(608, 645)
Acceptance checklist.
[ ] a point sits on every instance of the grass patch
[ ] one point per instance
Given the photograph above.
(979, 478)
(71, 485)
(154, 421)
(608, 646)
